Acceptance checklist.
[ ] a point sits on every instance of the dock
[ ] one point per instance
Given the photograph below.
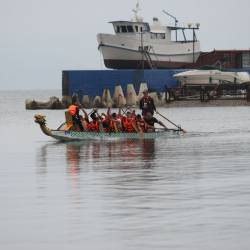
(119, 88)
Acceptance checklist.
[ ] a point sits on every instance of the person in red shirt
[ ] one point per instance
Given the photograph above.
(147, 104)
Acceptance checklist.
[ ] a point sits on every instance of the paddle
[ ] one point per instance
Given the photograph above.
(183, 130)
(123, 112)
(167, 129)
(127, 108)
(92, 111)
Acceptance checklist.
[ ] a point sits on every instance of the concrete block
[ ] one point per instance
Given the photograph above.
(143, 86)
(131, 99)
(85, 101)
(97, 102)
(66, 100)
(118, 98)
(107, 101)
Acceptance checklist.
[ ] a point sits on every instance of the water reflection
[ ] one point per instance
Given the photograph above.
(79, 159)
(91, 154)
(73, 158)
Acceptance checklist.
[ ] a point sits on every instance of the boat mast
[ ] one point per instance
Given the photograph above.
(193, 45)
(175, 21)
(194, 37)
(136, 10)
(138, 19)
(142, 51)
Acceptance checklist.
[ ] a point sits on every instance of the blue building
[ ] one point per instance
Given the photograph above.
(93, 82)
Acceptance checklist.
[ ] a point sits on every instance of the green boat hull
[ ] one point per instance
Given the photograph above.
(80, 136)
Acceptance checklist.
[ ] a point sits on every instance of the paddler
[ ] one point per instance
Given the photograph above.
(114, 124)
(94, 125)
(104, 119)
(129, 123)
(73, 110)
(85, 120)
(150, 122)
(147, 103)
(140, 123)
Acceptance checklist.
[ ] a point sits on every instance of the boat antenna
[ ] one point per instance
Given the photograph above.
(136, 11)
(175, 21)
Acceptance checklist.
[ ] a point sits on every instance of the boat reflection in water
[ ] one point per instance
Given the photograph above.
(93, 164)
(81, 156)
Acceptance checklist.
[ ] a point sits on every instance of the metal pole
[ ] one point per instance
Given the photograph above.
(142, 51)
(176, 22)
(193, 47)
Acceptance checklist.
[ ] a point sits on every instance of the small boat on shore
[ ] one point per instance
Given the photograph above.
(211, 76)
(63, 134)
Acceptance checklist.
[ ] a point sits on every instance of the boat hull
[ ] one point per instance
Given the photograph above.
(125, 58)
(209, 77)
(82, 136)
(137, 64)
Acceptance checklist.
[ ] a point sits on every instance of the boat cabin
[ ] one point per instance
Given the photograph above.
(130, 27)
(155, 31)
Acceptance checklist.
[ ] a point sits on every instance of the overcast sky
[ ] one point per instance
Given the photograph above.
(40, 38)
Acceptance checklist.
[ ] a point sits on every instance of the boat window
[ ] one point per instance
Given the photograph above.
(161, 36)
(124, 29)
(136, 28)
(158, 36)
(153, 36)
(130, 28)
(146, 28)
(141, 29)
(118, 29)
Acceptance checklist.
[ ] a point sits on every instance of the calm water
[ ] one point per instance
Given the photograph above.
(191, 192)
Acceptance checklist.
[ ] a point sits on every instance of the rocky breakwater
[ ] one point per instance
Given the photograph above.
(52, 103)
(131, 99)
(118, 100)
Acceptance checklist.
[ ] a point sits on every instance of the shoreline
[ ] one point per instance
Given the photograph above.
(211, 103)
(55, 104)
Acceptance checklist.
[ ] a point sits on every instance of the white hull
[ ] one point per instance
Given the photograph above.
(202, 77)
(124, 51)
(126, 54)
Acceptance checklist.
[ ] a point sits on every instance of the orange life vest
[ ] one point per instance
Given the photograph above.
(127, 123)
(72, 109)
(93, 126)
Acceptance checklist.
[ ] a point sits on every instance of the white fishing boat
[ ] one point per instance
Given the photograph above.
(211, 77)
(138, 44)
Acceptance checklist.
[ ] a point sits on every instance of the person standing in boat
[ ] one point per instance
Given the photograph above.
(73, 110)
(147, 103)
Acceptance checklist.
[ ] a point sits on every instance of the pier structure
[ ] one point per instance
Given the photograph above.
(124, 86)
(119, 88)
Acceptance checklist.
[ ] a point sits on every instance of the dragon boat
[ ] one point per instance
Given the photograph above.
(63, 133)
